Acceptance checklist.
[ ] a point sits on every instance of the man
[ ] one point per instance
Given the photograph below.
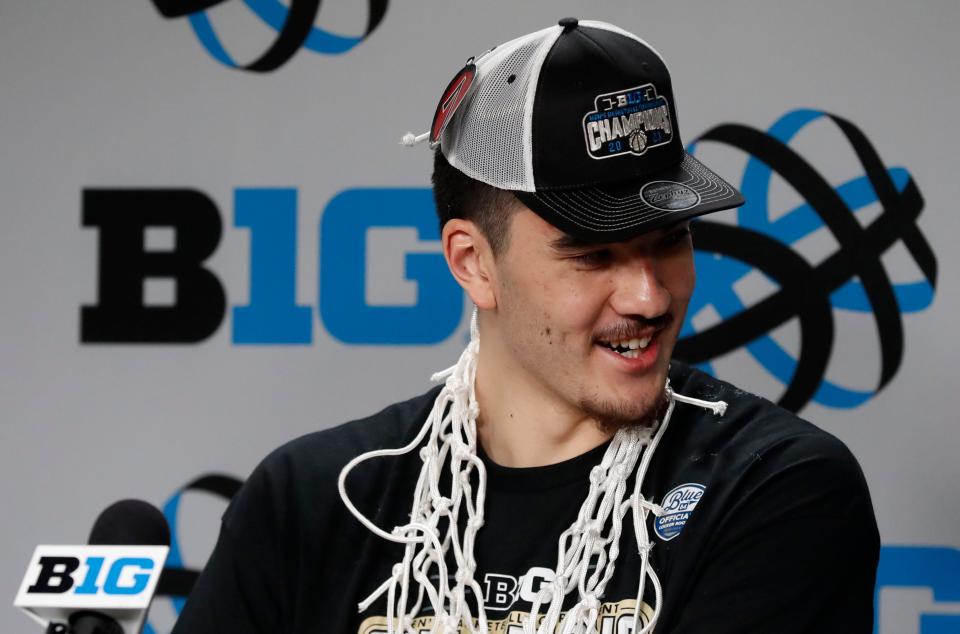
(567, 476)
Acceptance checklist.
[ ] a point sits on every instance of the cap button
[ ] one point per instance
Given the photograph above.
(568, 24)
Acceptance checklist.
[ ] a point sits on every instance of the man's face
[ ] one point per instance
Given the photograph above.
(594, 325)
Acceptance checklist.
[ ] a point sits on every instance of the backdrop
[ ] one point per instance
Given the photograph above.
(212, 243)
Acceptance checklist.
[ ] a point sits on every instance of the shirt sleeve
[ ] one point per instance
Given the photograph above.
(242, 587)
(797, 553)
(232, 594)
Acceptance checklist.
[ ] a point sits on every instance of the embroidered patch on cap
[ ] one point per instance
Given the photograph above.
(628, 121)
(677, 505)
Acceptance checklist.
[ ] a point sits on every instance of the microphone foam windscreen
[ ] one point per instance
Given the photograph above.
(130, 523)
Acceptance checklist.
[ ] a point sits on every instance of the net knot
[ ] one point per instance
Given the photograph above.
(593, 529)
(403, 531)
(560, 584)
(463, 575)
(410, 139)
(650, 507)
(451, 624)
(597, 475)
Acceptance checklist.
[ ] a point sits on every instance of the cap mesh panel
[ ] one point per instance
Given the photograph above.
(485, 139)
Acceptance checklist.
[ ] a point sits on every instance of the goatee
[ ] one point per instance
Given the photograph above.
(611, 417)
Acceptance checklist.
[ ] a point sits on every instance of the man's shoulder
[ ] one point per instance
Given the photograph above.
(331, 448)
(302, 473)
(759, 429)
(759, 459)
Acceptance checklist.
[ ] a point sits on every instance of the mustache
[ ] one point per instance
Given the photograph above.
(634, 327)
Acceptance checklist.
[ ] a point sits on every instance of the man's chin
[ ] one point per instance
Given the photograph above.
(614, 414)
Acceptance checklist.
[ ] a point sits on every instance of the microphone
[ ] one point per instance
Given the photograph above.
(130, 523)
(106, 586)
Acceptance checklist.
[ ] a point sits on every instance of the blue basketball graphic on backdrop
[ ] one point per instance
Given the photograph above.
(853, 278)
(293, 22)
(179, 576)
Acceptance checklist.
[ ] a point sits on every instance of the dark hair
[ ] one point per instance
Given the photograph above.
(459, 196)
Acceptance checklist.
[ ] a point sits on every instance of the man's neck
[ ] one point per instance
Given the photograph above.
(521, 423)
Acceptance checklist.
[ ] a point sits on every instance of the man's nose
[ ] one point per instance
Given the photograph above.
(639, 290)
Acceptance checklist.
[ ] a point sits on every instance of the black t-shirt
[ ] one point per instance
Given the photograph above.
(768, 528)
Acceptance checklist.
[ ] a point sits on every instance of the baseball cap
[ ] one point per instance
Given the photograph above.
(579, 122)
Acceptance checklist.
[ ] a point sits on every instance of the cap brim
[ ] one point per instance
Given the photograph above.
(611, 213)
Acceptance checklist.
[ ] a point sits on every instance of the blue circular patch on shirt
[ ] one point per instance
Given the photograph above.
(677, 505)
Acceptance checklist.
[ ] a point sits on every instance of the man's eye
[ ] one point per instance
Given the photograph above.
(593, 258)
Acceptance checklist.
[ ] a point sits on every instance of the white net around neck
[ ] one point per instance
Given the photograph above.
(434, 533)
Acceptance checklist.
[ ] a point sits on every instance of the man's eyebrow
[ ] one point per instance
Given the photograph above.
(568, 242)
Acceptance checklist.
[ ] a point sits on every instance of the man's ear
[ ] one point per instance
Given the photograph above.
(470, 260)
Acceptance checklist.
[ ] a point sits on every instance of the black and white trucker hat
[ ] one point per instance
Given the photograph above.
(579, 122)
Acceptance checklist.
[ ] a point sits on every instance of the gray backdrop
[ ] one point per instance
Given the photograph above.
(102, 94)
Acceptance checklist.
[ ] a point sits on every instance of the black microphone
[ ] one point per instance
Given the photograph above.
(130, 523)
(124, 523)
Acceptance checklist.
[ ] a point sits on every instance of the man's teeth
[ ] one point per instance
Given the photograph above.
(629, 347)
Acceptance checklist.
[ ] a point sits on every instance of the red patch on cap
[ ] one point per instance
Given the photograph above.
(453, 96)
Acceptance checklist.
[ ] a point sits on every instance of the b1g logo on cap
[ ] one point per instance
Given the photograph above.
(677, 505)
(628, 121)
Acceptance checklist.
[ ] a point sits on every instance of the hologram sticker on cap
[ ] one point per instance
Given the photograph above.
(453, 96)
(669, 196)
(629, 121)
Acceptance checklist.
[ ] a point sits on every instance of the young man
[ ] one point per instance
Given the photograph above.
(567, 476)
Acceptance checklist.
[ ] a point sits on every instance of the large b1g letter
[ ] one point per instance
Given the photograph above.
(122, 216)
(346, 222)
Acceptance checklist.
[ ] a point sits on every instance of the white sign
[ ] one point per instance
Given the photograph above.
(116, 580)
